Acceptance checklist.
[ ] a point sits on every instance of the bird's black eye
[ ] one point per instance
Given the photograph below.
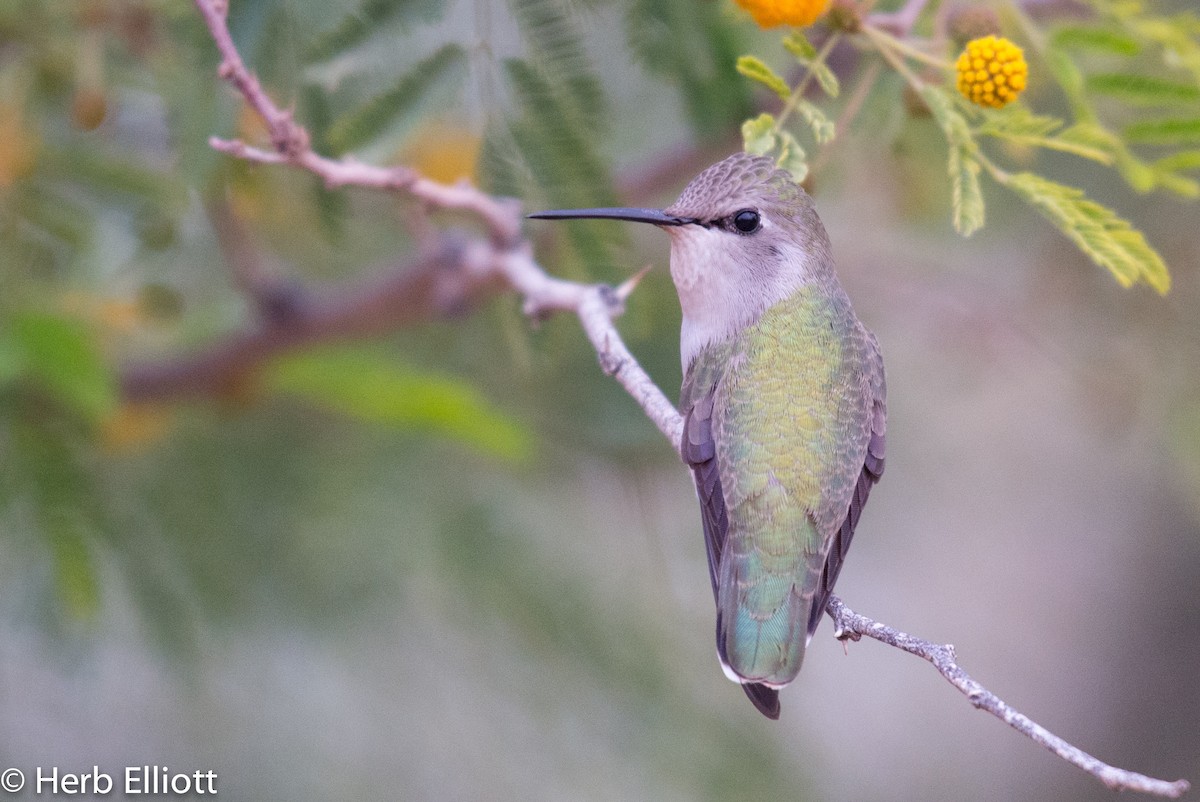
(747, 221)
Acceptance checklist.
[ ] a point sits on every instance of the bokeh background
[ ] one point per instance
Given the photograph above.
(319, 600)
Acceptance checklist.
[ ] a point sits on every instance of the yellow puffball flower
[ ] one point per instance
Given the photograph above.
(770, 13)
(991, 71)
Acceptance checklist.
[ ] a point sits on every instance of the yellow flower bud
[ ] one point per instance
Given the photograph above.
(991, 71)
(770, 13)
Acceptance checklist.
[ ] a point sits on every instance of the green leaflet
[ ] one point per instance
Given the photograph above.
(1139, 89)
(758, 135)
(1099, 40)
(963, 166)
(822, 127)
(966, 195)
(366, 385)
(804, 52)
(1177, 131)
(1017, 124)
(403, 102)
(1179, 162)
(1109, 240)
(756, 70)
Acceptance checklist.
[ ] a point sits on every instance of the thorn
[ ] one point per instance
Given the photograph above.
(626, 288)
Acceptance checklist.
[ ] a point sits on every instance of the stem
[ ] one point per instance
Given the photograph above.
(794, 99)
(884, 44)
(853, 106)
(908, 50)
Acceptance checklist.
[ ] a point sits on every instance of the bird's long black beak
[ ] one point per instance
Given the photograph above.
(653, 216)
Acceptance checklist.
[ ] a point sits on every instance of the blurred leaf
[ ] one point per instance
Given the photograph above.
(1017, 120)
(1142, 89)
(758, 135)
(404, 102)
(1086, 141)
(1184, 160)
(963, 167)
(557, 49)
(1062, 67)
(691, 45)
(756, 69)
(59, 354)
(67, 506)
(822, 127)
(369, 19)
(1100, 40)
(371, 387)
(1178, 131)
(563, 160)
(74, 574)
(57, 215)
(1106, 238)
(798, 45)
(108, 173)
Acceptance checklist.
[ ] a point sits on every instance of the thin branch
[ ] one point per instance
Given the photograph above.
(899, 22)
(452, 275)
(851, 626)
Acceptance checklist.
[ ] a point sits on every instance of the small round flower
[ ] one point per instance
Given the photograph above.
(991, 71)
(770, 13)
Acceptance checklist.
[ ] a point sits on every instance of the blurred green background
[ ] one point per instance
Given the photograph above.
(489, 582)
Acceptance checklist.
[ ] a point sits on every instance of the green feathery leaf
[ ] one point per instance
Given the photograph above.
(1109, 240)
(691, 46)
(402, 102)
(563, 161)
(369, 19)
(1017, 124)
(963, 166)
(556, 46)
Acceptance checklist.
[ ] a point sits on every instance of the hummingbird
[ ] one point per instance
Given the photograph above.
(783, 402)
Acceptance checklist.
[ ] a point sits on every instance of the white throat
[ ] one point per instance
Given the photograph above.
(720, 297)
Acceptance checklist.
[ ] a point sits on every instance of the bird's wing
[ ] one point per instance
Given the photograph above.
(868, 476)
(700, 453)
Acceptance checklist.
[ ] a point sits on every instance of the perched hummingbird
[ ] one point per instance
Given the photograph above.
(783, 403)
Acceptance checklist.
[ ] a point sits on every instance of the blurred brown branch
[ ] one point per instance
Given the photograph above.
(451, 275)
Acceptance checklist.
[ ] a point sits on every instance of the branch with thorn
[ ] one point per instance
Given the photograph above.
(450, 277)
